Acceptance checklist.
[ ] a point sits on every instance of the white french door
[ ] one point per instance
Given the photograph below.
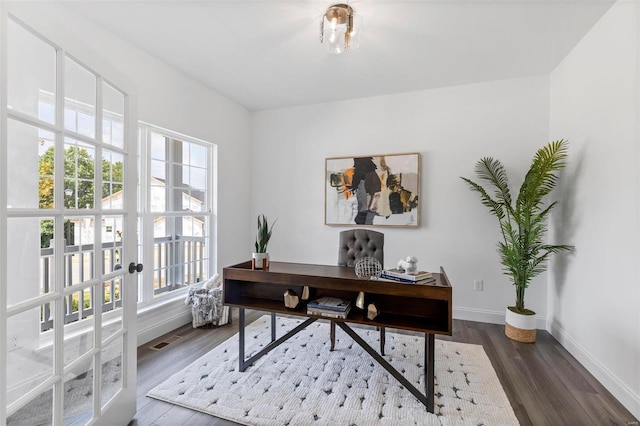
(68, 236)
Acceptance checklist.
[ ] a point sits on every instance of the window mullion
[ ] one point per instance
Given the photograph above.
(147, 217)
(3, 216)
(97, 192)
(98, 290)
(148, 256)
(59, 246)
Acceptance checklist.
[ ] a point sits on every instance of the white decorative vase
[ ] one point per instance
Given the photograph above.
(261, 260)
(518, 327)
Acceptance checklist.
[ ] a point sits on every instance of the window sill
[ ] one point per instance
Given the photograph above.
(163, 300)
(159, 306)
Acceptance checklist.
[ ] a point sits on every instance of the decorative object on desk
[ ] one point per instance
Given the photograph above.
(260, 261)
(328, 313)
(523, 247)
(368, 267)
(408, 265)
(360, 300)
(467, 388)
(260, 258)
(330, 307)
(373, 190)
(372, 311)
(419, 277)
(291, 299)
(305, 293)
(333, 303)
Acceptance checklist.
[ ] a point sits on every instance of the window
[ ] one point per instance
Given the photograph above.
(175, 211)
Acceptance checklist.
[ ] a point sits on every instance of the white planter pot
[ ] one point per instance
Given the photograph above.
(521, 328)
(261, 260)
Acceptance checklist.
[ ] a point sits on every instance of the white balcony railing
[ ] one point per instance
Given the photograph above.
(178, 261)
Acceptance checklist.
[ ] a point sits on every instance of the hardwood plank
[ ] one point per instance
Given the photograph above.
(151, 411)
(544, 383)
(202, 419)
(176, 415)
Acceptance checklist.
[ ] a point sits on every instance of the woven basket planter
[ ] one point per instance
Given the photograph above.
(521, 328)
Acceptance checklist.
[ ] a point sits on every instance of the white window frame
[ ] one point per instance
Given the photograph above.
(146, 296)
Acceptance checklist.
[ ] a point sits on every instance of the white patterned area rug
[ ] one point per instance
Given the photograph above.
(302, 383)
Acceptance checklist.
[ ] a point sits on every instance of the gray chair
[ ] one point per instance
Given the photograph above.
(355, 244)
(358, 243)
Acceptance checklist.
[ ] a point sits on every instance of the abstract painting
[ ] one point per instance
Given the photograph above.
(373, 190)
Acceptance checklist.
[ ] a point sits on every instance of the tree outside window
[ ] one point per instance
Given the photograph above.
(79, 172)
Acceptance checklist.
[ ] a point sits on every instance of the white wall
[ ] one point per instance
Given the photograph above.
(168, 99)
(452, 128)
(594, 294)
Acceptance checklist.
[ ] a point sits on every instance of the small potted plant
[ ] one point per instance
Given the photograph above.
(260, 256)
(523, 247)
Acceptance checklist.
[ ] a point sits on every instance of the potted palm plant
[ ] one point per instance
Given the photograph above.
(261, 257)
(523, 225)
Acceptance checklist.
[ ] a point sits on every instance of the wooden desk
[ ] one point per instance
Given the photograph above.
(415, 307)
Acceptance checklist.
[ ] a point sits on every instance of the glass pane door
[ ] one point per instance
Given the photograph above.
(68, 300)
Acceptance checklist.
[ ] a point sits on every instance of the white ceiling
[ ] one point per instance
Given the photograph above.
(266, 54)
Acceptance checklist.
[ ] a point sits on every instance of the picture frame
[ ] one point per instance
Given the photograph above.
(373, 190)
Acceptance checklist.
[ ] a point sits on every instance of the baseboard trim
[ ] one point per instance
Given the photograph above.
(617, 387)
(491, 317)
(156, 322)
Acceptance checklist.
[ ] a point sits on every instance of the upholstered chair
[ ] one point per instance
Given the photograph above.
(355, 244)
(358, 243)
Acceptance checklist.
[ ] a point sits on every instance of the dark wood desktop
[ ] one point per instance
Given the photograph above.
(425, 308)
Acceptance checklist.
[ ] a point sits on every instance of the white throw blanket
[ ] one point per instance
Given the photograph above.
(206, 303)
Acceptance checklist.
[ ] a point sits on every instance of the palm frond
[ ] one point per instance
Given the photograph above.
(493, 171)
(495, 207)
(541, 178)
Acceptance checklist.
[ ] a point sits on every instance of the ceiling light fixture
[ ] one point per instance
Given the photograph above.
(339, 28)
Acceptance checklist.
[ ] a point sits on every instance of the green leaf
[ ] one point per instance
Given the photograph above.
(264, 234)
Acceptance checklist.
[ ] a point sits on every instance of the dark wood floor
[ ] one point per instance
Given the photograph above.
(544, 383)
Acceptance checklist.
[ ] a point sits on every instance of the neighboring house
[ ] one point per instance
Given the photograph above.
(191, 226)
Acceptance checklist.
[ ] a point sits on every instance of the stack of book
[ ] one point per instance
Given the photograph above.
(330, 307)
(419, 277)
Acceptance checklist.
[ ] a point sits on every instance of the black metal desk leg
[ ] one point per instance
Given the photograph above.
(332, 334)
(241, 339)
(382, 340)
(273, 326)
(429, 369)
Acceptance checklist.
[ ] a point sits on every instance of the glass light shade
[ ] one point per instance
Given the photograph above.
(339, 29)
(334, 38)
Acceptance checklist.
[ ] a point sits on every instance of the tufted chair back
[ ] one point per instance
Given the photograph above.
(357, 243)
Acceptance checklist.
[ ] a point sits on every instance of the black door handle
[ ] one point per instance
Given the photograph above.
(133, 267)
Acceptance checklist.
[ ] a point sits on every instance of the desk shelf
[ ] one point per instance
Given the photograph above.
(389, 320)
